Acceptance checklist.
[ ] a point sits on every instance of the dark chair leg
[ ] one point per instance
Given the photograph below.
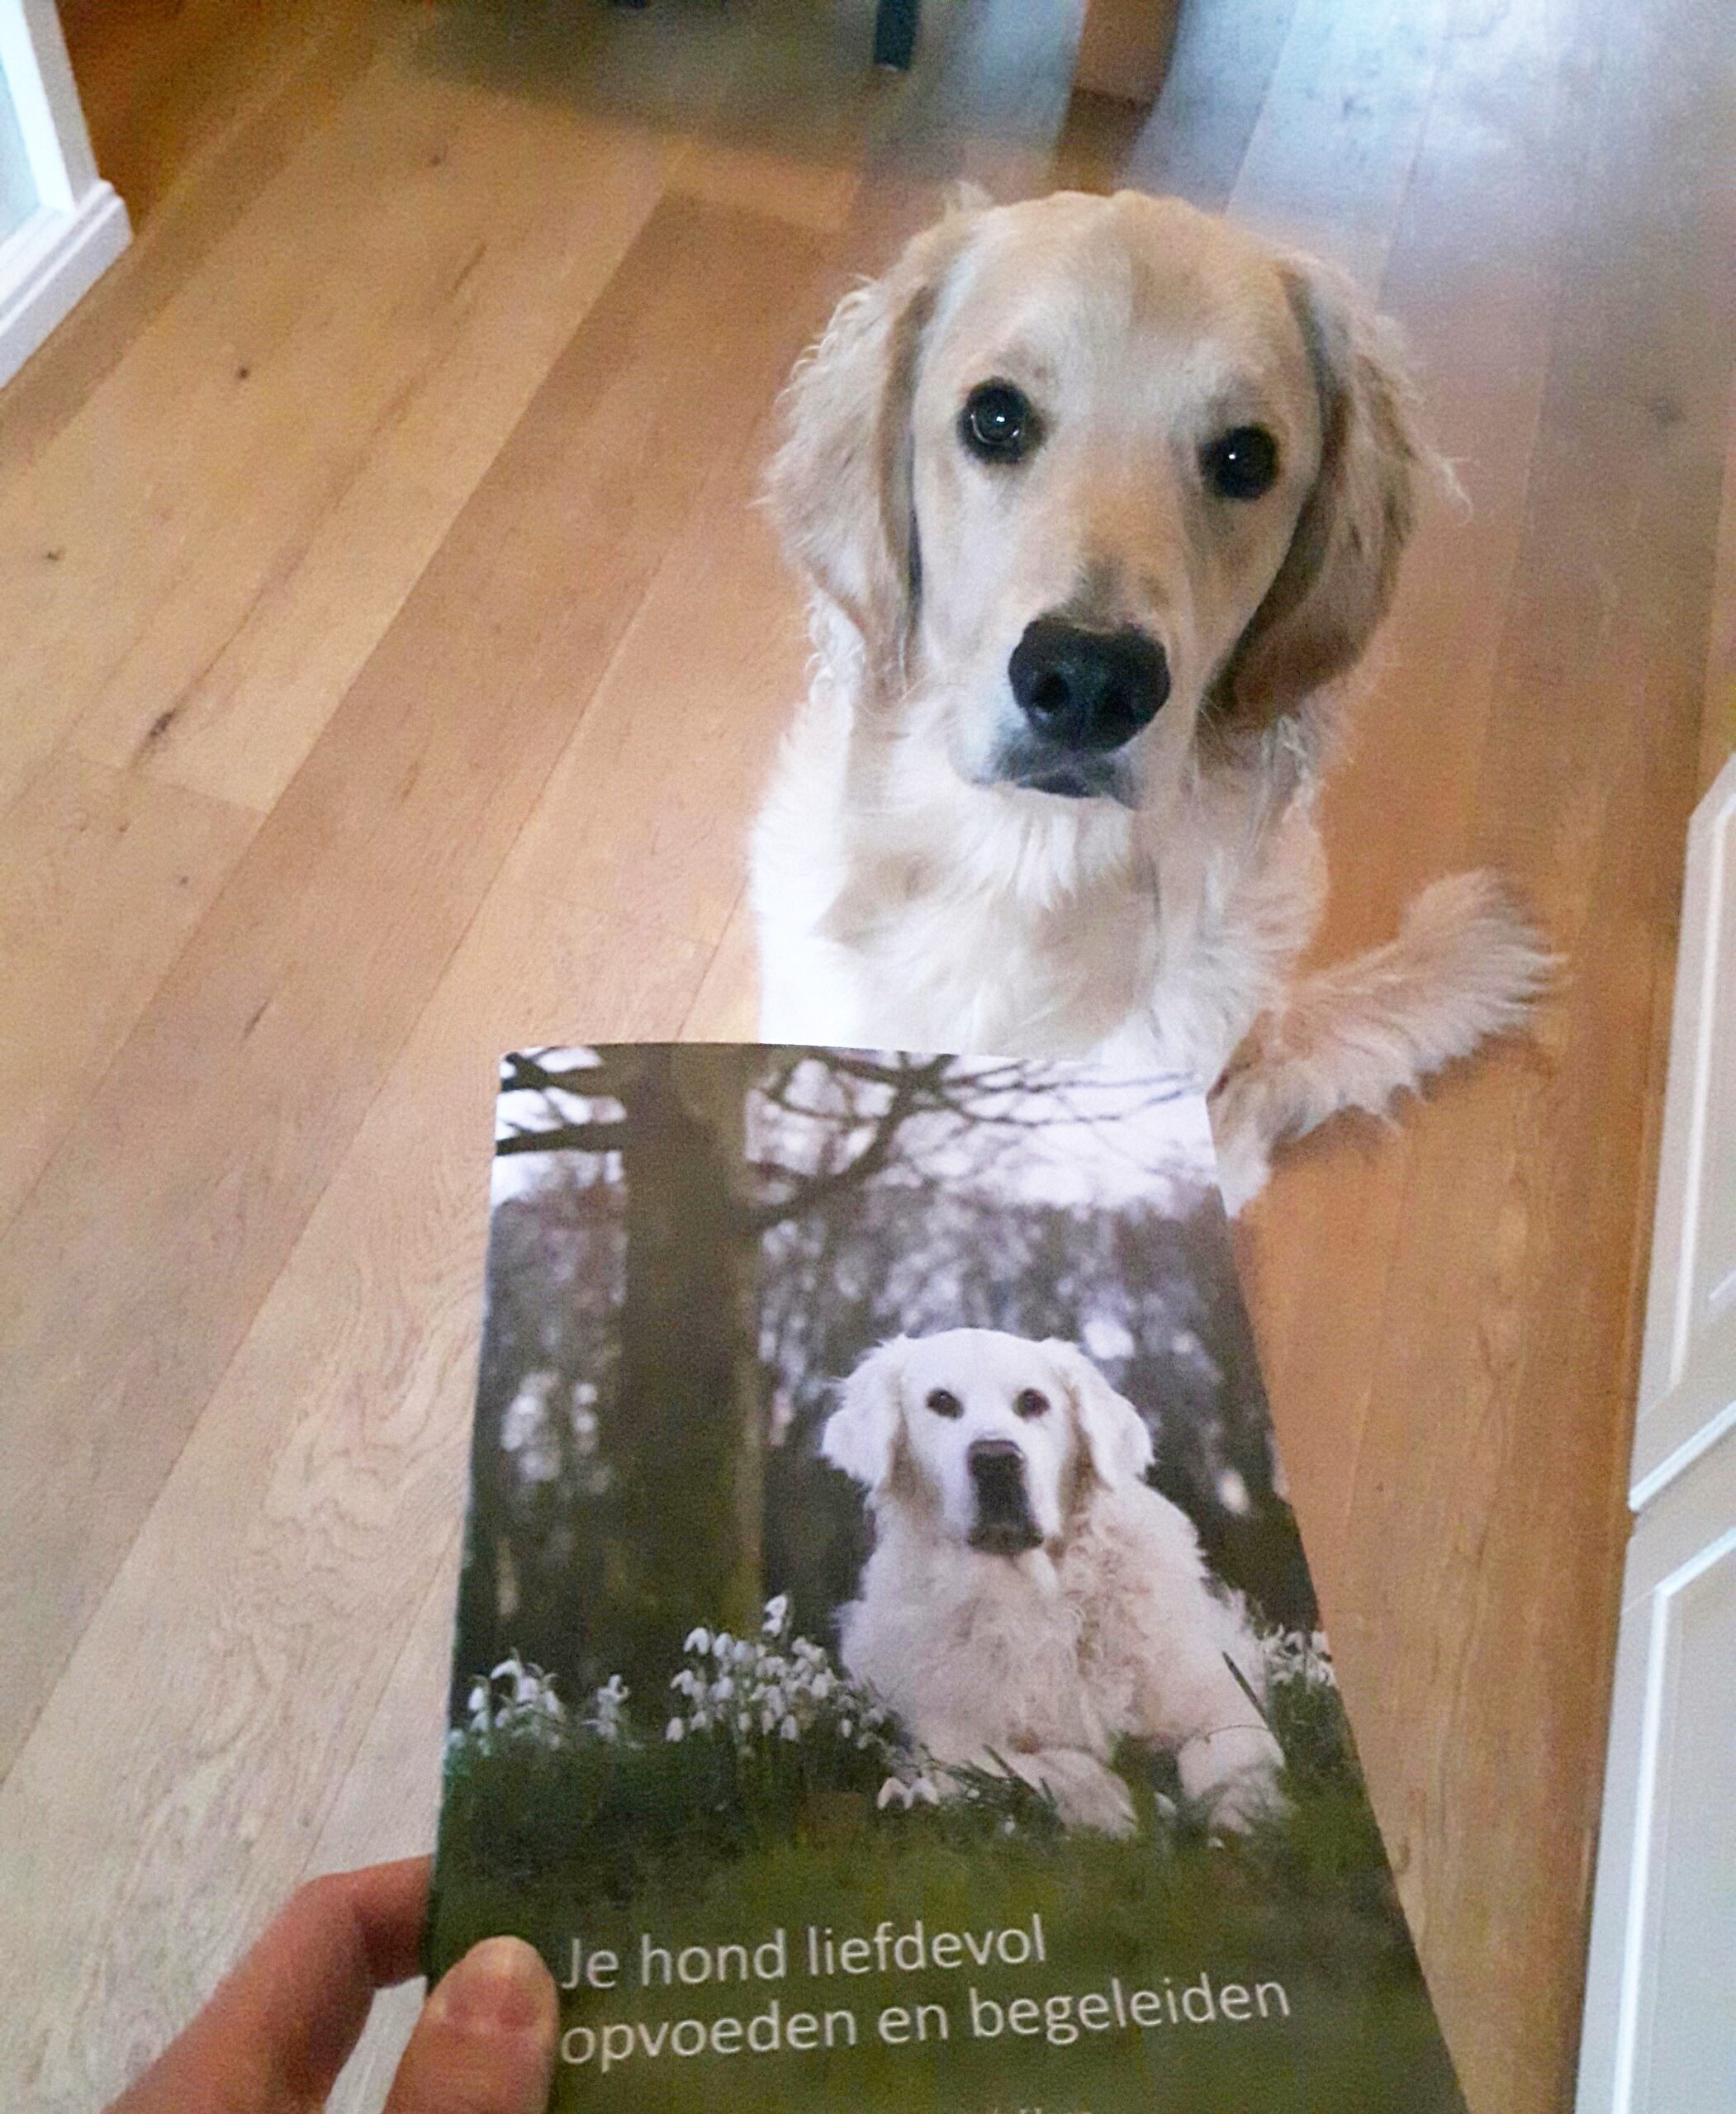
(894, 33)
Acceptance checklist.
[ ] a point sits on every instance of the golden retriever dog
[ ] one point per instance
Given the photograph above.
(1096, 500)
(1030, 1601)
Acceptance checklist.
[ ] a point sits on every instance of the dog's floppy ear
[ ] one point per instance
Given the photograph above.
(1116, 1435)
(860, 1435)
(1337, 577)
(840, 484)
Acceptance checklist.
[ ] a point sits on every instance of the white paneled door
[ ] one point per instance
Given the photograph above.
(1660, 2022)
(61, 225)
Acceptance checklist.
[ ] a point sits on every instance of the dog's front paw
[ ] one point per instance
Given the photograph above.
(1240, 1132)
(1233, 1774)
(1087, 1792)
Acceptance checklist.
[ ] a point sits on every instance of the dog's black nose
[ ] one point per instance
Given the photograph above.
(992, 1458)
(1004, 1526)
(1087, 690)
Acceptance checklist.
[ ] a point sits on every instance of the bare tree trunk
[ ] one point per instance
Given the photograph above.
(688, 1444)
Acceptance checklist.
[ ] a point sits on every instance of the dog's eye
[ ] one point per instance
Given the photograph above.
(1031, 1402)
(1241, 463)
(945, 1403)
(998, 422)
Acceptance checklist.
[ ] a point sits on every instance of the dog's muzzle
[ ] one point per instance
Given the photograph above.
(1082, 697)
(1004, 1526)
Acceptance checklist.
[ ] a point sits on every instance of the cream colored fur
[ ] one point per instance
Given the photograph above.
(903, 894)
(1042, 1662)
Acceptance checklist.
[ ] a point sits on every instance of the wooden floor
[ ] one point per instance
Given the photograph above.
(390, 657)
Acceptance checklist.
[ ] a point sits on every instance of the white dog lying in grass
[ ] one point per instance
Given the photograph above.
(1030, 1601)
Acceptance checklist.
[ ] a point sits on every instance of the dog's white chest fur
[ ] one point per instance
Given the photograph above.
(938, 1635)
(903, 908)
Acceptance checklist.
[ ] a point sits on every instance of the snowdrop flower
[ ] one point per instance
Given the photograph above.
(674, 1730)
(892, 1792)
(777, 1614)
(697, 1640)
(607, 1707)
(477, 1698)
(790, 1729)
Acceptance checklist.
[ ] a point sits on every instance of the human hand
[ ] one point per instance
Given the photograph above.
(273, 2038)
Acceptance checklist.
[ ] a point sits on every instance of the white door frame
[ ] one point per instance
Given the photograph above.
(78, 227)
(1658, 2035)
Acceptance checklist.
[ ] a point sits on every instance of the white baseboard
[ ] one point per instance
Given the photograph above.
(49, 264)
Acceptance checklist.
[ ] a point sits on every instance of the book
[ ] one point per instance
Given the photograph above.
(887, 1671)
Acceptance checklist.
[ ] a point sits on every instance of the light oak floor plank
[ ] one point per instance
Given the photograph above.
(239, 727)
(726, 1009)
(1507, 137)
(643, 814)
(1330, 154)
(214, 1132)
(218, 555)
(129, 546)
(93, 852)
(217, 182)
(1196, 139)
(1717, 731)
(162, 82)
(242, 712)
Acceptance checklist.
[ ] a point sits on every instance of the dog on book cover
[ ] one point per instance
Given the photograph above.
(879, 1583)
(1030, 1597)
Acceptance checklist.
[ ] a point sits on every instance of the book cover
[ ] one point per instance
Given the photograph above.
(887, 1671)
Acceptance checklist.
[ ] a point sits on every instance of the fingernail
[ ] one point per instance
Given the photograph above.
(500, 1986)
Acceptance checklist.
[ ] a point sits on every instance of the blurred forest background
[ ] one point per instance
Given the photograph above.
(692, 1244)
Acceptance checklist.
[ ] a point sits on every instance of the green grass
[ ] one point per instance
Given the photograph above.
(692, 1843)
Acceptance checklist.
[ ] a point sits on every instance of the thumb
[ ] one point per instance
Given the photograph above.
(485, 2043)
